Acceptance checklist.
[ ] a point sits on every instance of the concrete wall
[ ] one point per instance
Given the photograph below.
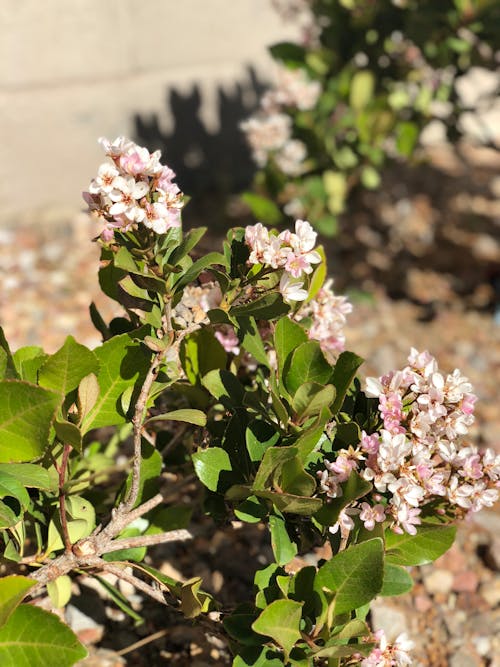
(74, 70)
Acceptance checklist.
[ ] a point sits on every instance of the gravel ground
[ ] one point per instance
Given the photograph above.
(453, 613)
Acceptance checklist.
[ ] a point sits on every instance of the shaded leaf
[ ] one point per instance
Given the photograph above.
(283, 547)
(344, 373)
(189, 415)
(396, 580)
(26, 413)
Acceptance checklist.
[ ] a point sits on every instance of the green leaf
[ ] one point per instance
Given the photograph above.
(259, 436)
(257, 657)
(370, 177)
(251, 510)
(267, 307)
(11, 487)
(287, 337)
(88, 393)
(344, 373)
(28, 361)
(362, 88)
(406, 138)
(238, 626)
(201, 353)
(286, 502)
(194, 601)
(208, 465)
(295, 480)
(189, 415)
(354, 575)
(430, 542)
(272, 461)
(283, 547)
(319, 275)
(281, 621)
(64, 370)
(7, 517)
(289, 53)
(69, 433)
(28, 474)
(190, 240)
(307, 364)
(7, 365)
(59, 591)
(26, 413)
(223, 385)
(262, 208)
(33, 637)
(252, 340)
(81, 522)
(122, 364)
(311, 397)
(396, 580)
(13, 588)
(197, 267)
(169, 518)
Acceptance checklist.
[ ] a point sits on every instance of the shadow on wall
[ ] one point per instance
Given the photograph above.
(205, 161)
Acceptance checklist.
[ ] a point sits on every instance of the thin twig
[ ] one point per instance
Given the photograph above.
(137, 421)
(149, 540)
(141, 585)
(62, 497)
(143, 642)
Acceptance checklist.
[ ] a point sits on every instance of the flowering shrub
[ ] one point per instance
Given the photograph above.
(236, 360)
(358, 90)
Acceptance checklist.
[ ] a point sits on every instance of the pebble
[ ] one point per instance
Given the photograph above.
(465, 582)
(389, 618)
(465, 659)
(439, 581)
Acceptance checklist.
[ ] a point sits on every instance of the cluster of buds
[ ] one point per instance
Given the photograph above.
(269, 131)
(292, 252)
(133, 189)
(419, 454)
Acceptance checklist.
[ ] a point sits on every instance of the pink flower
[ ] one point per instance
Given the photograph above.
(370, 515)
(292, 289)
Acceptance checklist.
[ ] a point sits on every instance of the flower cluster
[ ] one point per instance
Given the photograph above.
(327, 314)
(389, 655)
(418, 454)
(134, 188)
(292, 252)
(269, 131)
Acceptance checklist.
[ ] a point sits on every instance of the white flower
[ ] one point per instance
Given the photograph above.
(105, 180)
(292, 288)
(125, 194)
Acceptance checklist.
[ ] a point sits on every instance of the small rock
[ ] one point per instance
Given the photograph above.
(490, 592)
(453, 560)
(439, 581)
(390, 619)
(465, 582)
(423, 603)
(464, 658)
(87, 630)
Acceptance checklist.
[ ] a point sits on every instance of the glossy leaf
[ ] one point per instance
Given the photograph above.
(288, 336)
(33, 637)
(354, 575)
(283, 547)
(59, 591)
(344, 373)
(281, 621)
(26, 413)
(311, 397)
(28, 361)
(308, 364)
(189, 415)
(208, 465)
(430, 542)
